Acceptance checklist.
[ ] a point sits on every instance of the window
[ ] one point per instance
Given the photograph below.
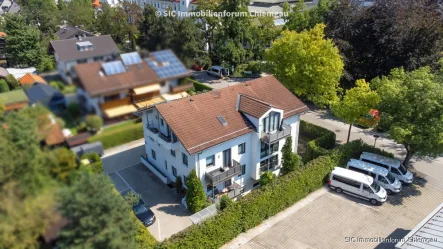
(153, 154)
(184, 179)
(210, 160)
(209, 187)
(241, 148)
(185, 159)
(174, 171)
(395, 171)
(346, 181)
(382, 179)
(111, 97)
(367, 189)
(173, 152)
(264, 149)
(274, 161)
(162, 122)
(271, 122)
(166, 165)
(243, 170)
(274, 147)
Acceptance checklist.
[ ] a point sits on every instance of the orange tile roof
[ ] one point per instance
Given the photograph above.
(51, 131)
(29, 79)
(252, 106)
(96, 3)
(3, 34)
(194, 119)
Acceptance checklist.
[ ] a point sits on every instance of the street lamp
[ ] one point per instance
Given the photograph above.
(375, 137)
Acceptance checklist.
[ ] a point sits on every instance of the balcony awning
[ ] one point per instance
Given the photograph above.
(147, 89)
(117, 111)
(150, 102)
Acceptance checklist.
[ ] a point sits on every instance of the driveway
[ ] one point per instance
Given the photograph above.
(337, 221)
(172, 217)
(215, 82)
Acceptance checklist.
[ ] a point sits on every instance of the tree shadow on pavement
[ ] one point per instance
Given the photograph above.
(408, 190)
(392, 239)
(176, 210)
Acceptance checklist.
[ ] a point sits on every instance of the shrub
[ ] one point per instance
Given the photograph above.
(200, 87)
(225, 202)
(95, 165)
(241, 69)
(132, 198)
(82, 127)
(94, 122)
(353, 149)
(74, 110)
(12, 82)
(291, 161)
(323, 140)
(118, 136)
(3, 86)
(195, 195)
(266, 178)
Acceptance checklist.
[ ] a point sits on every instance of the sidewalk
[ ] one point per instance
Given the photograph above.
(244, 238)
(124, 147)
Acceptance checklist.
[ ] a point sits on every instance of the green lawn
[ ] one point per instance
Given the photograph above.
(119, 134)
(69, 123)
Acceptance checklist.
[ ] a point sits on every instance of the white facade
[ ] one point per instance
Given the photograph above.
(162, 161)
(163, 6)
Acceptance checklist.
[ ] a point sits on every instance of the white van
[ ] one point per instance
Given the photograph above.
(393, 165)
(380, 175)
(218, 71)
(357, 184)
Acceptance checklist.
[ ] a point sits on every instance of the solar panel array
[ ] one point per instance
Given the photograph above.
(113, 67)
(166, 64)
(131, 58)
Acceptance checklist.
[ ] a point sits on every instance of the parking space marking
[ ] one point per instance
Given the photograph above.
(127, 184)
(135, 164)
(125, 190)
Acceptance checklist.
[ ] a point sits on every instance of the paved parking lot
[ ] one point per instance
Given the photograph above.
(171, 216)
(331, 218)
(215, 82)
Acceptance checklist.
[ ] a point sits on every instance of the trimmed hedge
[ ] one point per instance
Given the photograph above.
(323, 140)
(200, 87)
(267, 201)
(118, 136)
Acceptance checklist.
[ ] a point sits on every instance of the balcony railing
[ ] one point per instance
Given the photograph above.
(220, 175)
(168, 139)
(271, 137)
(235, 190)
(270, 166)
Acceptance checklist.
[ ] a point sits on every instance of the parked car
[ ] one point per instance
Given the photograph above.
(380, 175)
(357, 184)
(369, 120)
(218, 71)
(393, 165)
(144, 213)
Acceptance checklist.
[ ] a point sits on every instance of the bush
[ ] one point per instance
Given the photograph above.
(3, 86)
(132, 198)
(354, 149)
(256, 67)
(82, 127)
(74, 110)
(94, 122)
(12, 82)
(118, 136)
(200, 87)
(96, 164)
(225, 202)
(323, 140)
(195, 195)
(241, 69)
(266, 178)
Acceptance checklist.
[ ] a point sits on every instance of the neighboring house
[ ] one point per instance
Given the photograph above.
(71, 52)
(47, 96)
(31, 79)
(229, 136)
(15, 8)
(69, 32)
(118, 88)
(3, 73)
(14, 100)
(20, 72)
(175, 5)
(51, 133)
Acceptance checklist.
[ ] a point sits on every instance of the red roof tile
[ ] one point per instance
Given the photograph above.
(252, 106)
(194, 119)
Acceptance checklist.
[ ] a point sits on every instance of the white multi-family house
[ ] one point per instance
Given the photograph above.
(229, 136)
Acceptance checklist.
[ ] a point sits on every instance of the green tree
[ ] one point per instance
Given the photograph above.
(266, 178)
(132, 198)
(302, 18)
(99, 217)
(291, 161)
(308, 64)
(225, 202)
(356, 102)
(61, 163)
(12, 82)
(79, 13)
(24, 48)
(74, 110)
(195, 195)
(264, 32)
(94, 122)
(411, 109)
(42, 13)
(3, 86)
(95, 163)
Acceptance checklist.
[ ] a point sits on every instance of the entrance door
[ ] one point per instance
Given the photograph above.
(227, 158)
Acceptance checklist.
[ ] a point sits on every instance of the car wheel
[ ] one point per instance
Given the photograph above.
(338, 190)
(373, 201)
(389, 191)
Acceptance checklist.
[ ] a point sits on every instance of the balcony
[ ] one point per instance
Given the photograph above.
(271, 137)
(232, 191)
(222, 174)
(270, 165)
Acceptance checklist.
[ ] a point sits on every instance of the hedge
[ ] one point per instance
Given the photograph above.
(267, 201)
(323, 140)
(115, 136)
(200, 87)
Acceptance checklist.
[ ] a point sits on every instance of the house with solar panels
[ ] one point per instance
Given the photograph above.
(71, 52)
(118, 88)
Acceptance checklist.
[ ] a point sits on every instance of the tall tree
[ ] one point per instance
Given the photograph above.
(290, 160)
(411, 110)
(264, 32)
(356, 102)
(389, 34)
(195, 195)
(98, 216)
(42, 13)
(303, 18)
(308, 64)
(79, 13)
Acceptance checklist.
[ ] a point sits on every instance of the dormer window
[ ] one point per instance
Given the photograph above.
(271, 122)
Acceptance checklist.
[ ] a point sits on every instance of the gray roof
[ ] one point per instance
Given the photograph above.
(42, 93)
(70, 32)
(428, 234)
(67, 49)
(95, 147)
(3, 72)
(15, 8)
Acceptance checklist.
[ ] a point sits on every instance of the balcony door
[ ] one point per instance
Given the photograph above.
(227, 158)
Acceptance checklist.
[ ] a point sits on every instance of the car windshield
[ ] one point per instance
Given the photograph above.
(391, 178)
(375, 187)
(402, 169)
(140, 208)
